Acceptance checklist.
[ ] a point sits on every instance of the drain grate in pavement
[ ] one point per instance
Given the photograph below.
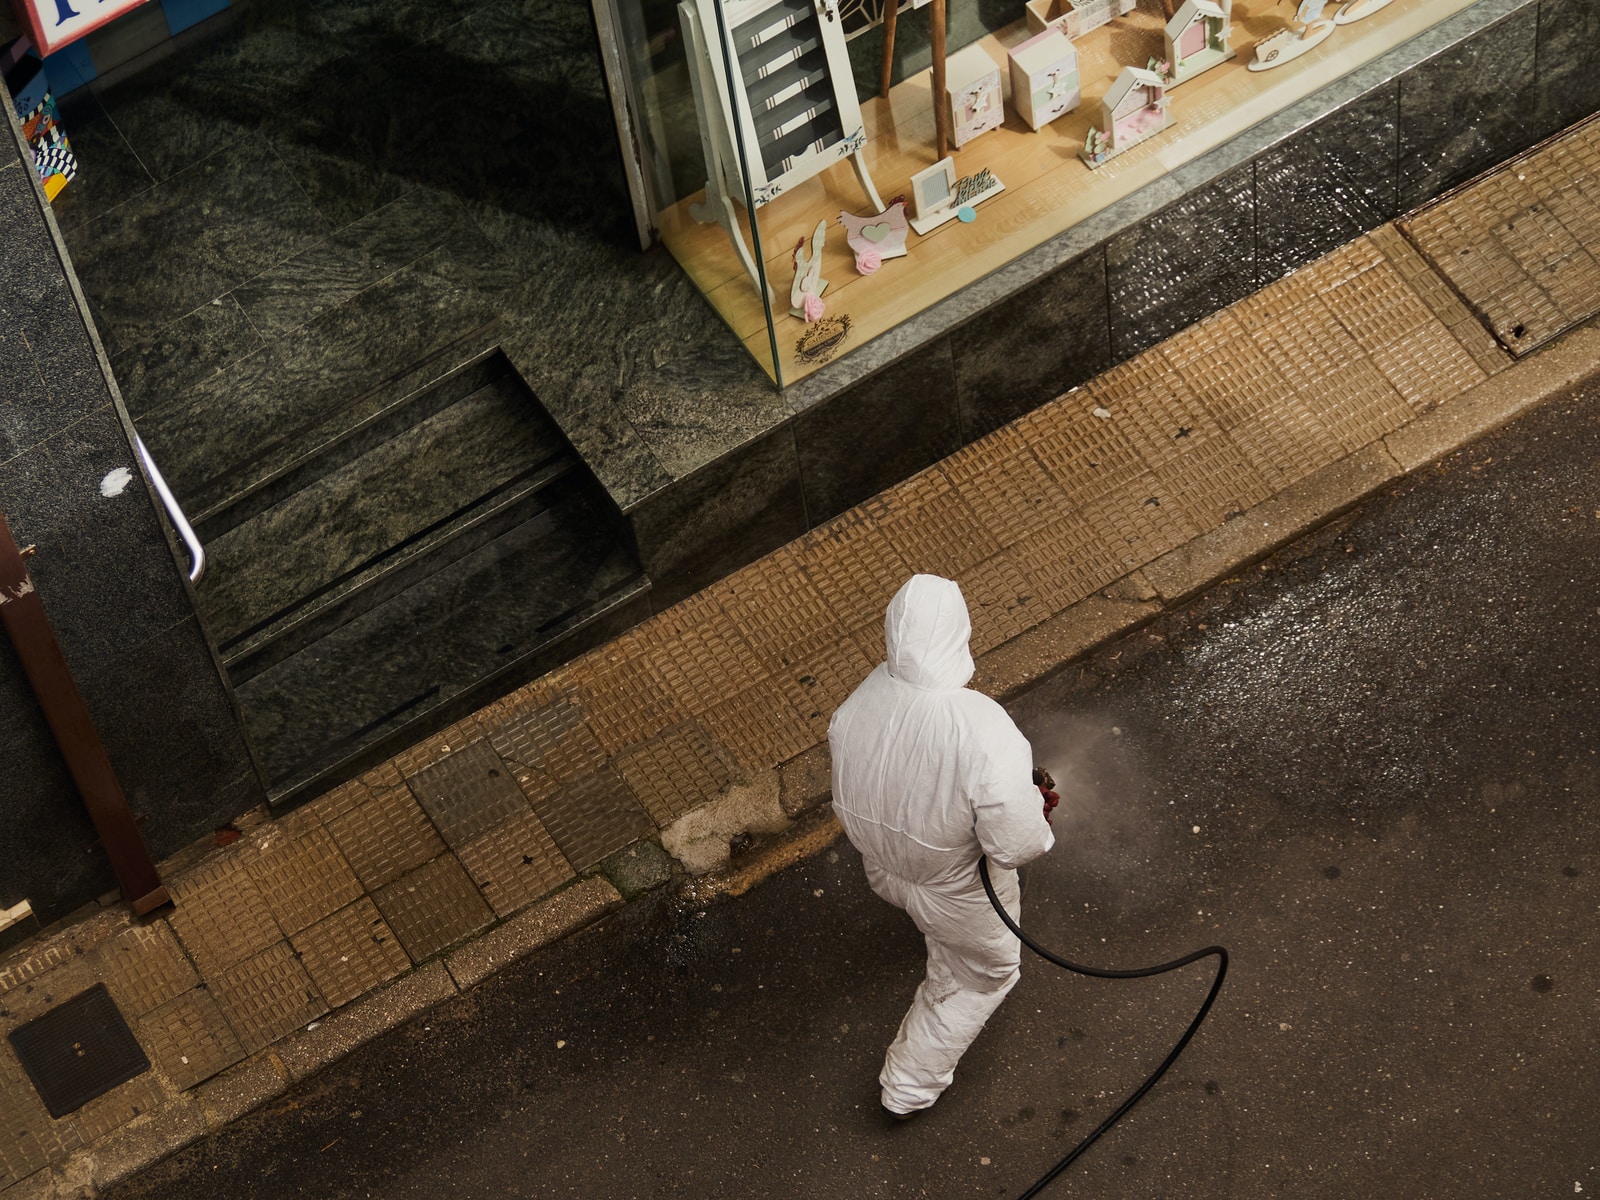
(78, 1050)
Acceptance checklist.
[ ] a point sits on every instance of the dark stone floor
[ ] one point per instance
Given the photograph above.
(294, 231)
(310, 209)
(298, 155)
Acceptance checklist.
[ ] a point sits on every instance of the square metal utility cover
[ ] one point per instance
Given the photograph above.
(78, 1050)
(468, 792)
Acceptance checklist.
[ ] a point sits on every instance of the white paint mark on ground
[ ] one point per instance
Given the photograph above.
(116, 482)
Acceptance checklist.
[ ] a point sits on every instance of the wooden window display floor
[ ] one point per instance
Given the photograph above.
(1048, 188)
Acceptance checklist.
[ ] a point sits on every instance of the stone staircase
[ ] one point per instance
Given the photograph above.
(395, 528)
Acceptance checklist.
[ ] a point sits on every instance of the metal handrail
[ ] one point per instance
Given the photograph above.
(197, 553)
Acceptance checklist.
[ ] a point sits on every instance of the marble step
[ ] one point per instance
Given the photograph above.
(342, 441)
(389, 401)
(437, 549)
(265, 411)
(533, 597)
(385, 514)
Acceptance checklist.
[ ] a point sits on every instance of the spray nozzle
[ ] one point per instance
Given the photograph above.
(1047, 789)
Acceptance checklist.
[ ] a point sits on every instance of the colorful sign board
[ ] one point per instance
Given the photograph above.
(54, 23)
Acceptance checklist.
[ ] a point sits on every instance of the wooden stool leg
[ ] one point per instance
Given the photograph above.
(941, 104)
(891, 10)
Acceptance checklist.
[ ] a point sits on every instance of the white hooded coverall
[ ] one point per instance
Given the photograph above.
(928, 776)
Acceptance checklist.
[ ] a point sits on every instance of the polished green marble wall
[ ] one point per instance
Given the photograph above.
(111, 586)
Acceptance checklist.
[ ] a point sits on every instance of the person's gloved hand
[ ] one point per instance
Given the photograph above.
(1046, 786)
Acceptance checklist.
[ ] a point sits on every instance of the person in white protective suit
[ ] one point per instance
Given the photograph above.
(927, 776)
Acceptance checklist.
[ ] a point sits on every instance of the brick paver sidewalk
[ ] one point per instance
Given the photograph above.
(308, 934)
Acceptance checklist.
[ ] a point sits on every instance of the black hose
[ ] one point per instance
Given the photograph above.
(1096, 973)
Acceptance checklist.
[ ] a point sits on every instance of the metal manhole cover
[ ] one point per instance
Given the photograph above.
(78, 1050)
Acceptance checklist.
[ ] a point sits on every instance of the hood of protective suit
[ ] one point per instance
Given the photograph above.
(926, 632)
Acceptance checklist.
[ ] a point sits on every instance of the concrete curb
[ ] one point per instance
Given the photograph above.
(810, 834)
(534, 928)
(43, 1184)
(242, 1089)
(305, 1053)
(1271, 524)
(1046, 648)
(1563, 364)
(141, 1142)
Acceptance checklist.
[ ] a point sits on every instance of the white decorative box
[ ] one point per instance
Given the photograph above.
(972, 85)
(1044, 78)
(1074, 18)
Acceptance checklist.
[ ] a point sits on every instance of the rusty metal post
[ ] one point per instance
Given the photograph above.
(42, 661)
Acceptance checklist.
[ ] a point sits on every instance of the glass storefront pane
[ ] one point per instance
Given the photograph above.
(1053, 111)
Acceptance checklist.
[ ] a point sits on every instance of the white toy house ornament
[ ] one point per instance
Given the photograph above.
(1197, 37)
(1132, 111)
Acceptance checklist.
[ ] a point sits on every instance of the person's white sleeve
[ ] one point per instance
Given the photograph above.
(1007, 809)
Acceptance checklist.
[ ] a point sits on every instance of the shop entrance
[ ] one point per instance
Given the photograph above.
(315, 240)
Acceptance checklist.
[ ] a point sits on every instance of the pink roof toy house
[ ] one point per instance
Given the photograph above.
(1134, 109)
(1197, 37)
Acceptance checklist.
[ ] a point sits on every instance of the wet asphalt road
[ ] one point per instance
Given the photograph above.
(1368, 767)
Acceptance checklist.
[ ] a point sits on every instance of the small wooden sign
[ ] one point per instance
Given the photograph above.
(54, 23)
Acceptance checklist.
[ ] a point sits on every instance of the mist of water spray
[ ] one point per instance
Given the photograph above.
(1106, 827)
